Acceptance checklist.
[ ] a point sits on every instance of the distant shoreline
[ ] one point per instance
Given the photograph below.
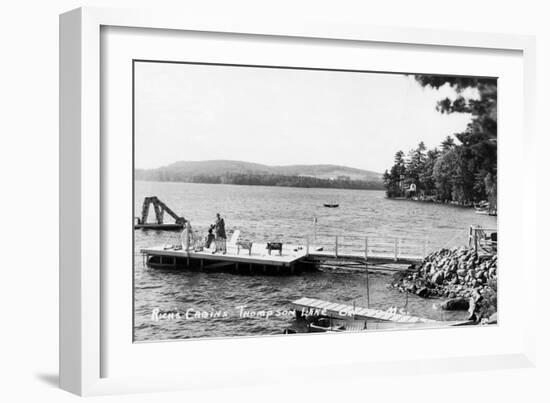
(379, 189)
(402, 198)
(457, 205)
(232, 172)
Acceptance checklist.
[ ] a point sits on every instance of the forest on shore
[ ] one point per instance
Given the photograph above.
(463, 168)
(253, 179)
(232, 172)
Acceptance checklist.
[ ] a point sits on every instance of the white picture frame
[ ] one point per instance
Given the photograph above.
(83, 306)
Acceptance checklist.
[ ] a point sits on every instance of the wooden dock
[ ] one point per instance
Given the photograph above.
(293, 259)
(318, 307)
(374, 319)
(243, 261)
(330, 256)
(159, 227)
(379, 253)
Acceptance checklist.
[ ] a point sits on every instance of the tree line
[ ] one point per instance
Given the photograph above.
(462, 171)
(252, 179)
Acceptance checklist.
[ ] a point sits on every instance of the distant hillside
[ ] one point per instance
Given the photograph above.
(328, 172)
(247, 173)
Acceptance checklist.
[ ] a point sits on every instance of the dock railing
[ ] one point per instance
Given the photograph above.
(366, 247)
(482, 239)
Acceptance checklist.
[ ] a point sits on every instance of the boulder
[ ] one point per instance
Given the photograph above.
(411, 288)
(437, 277)
(423, 292)
(480, 275)
(455, 304)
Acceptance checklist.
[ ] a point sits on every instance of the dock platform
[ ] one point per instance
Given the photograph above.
(293, 259)
(377, 319)
(327, 256)
(342, 311)
(257, 260)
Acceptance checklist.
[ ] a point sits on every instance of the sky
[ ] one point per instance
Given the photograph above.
(279, 116)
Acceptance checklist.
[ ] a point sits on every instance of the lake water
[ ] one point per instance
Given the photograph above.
(279, 213)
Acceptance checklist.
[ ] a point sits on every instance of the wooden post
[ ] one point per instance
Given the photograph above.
(189, 234)
(367, 271)
(425, 248)
(315, 229)
(307, 246)
(395, 249)
(368, 285)
(336, 246)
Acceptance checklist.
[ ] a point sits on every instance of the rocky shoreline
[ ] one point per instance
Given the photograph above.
(468, 281)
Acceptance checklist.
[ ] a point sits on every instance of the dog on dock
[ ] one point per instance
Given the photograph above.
(274, 246)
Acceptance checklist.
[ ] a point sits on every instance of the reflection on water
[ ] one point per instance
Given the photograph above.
(267, 213)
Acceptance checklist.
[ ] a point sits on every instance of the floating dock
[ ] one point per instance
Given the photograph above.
(243, 261)
(160, 227)
(160, 208)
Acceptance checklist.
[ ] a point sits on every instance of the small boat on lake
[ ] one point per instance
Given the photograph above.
(485, 208)
(331, 205)
(325, 325)
(487, 212)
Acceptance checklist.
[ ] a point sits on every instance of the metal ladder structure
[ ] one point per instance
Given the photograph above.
(160, 208)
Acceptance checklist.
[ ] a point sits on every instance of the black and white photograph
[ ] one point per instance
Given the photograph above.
(273, 200)
(290, 201)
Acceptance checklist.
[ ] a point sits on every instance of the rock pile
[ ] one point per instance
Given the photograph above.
(459, 274)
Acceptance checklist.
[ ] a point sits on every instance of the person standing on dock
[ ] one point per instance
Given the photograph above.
(209, 238)
(219, 229)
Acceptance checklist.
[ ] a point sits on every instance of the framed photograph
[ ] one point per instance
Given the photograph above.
(252, 201)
